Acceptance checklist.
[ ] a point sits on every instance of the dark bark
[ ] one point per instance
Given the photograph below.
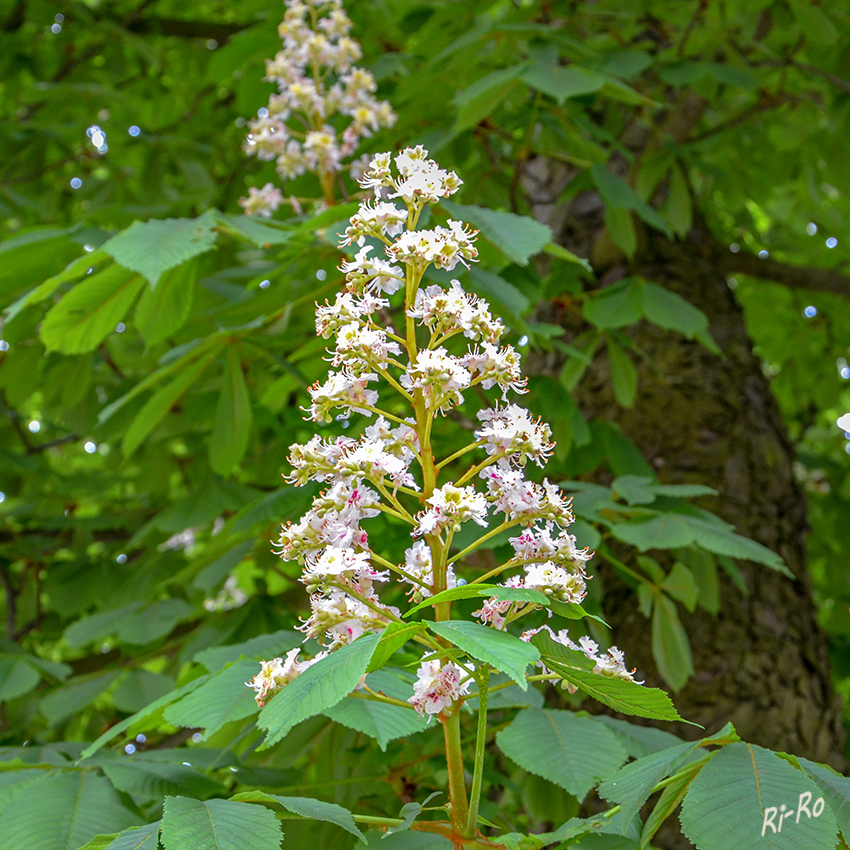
(699, 418)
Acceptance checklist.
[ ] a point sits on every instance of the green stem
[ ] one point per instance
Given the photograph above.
(460, 453)
(483, 682)
(373, 819)
(492, 533)
(454, 760)
(375, 697)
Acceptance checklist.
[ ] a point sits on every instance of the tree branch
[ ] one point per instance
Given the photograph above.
(796, 277)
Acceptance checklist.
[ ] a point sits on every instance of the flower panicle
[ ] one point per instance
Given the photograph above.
(390, 468)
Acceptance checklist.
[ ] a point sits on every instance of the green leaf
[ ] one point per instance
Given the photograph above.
(218, 825)
(671, 647)
(153, 247)
(471, 591)
(735, 802)
(679, 208)
(627, 697)
(631, 786)
(217, 570)
(664, 531)
(555, 250)
(575, 753)
(73, 271)
(137, 838)
(618, 194)
(573, 611)
(639, 741)
(580, 358)
(260, 233)
(89, 312)
(501, 650)
(317, 689)
(378, 720)
(153, 622)
(146, 777)
(64, 810)
(623, 374)
(232, 425)
(717, 537)
(163, 310)
(222, 698)
(97, 626)
(669, 310)
(262, 646)
(158, 405)
(139, 687)
(480, 99)
(835, 789)
(621, 228)
(814, 22)
(623, 696)
(614, 306)
(562, 82)
(518, 237)
(307, 807)
(681, 586)
(140, 716)
(17, 678)
(64, 702)
(393, 637)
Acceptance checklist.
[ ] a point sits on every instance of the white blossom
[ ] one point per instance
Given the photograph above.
(278, 672)
(262, 202)
(437, 687)
(511, 430)
(449, 507)
(611, 664)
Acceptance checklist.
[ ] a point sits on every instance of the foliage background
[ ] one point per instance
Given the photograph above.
(114, 561)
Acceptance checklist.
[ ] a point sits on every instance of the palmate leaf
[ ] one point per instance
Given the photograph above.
(153, 247)
(835, 789)
(631, 786)
(152, 779)
(91, 310)
(158, 405)
(378, 720)
(222, 698)
(135, 838)
(628, 697)
(741, 791)
(317, 689)
(306, 807)
(518, 237)
(503, 651)
(232, 424)
(573, 752)
(218, 825)
(162, 311)
(140, 717)
(64, 809)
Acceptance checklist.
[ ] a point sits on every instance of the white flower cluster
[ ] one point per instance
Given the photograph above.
(438, 686)
(391, 468)
(611, 664)
(277, 673)
(316, 79)
(262, 202)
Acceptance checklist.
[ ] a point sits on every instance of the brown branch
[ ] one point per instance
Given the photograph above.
(763, 105)
(795, 277)
(838, 82)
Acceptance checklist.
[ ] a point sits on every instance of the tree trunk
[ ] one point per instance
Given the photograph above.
(762, 662)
